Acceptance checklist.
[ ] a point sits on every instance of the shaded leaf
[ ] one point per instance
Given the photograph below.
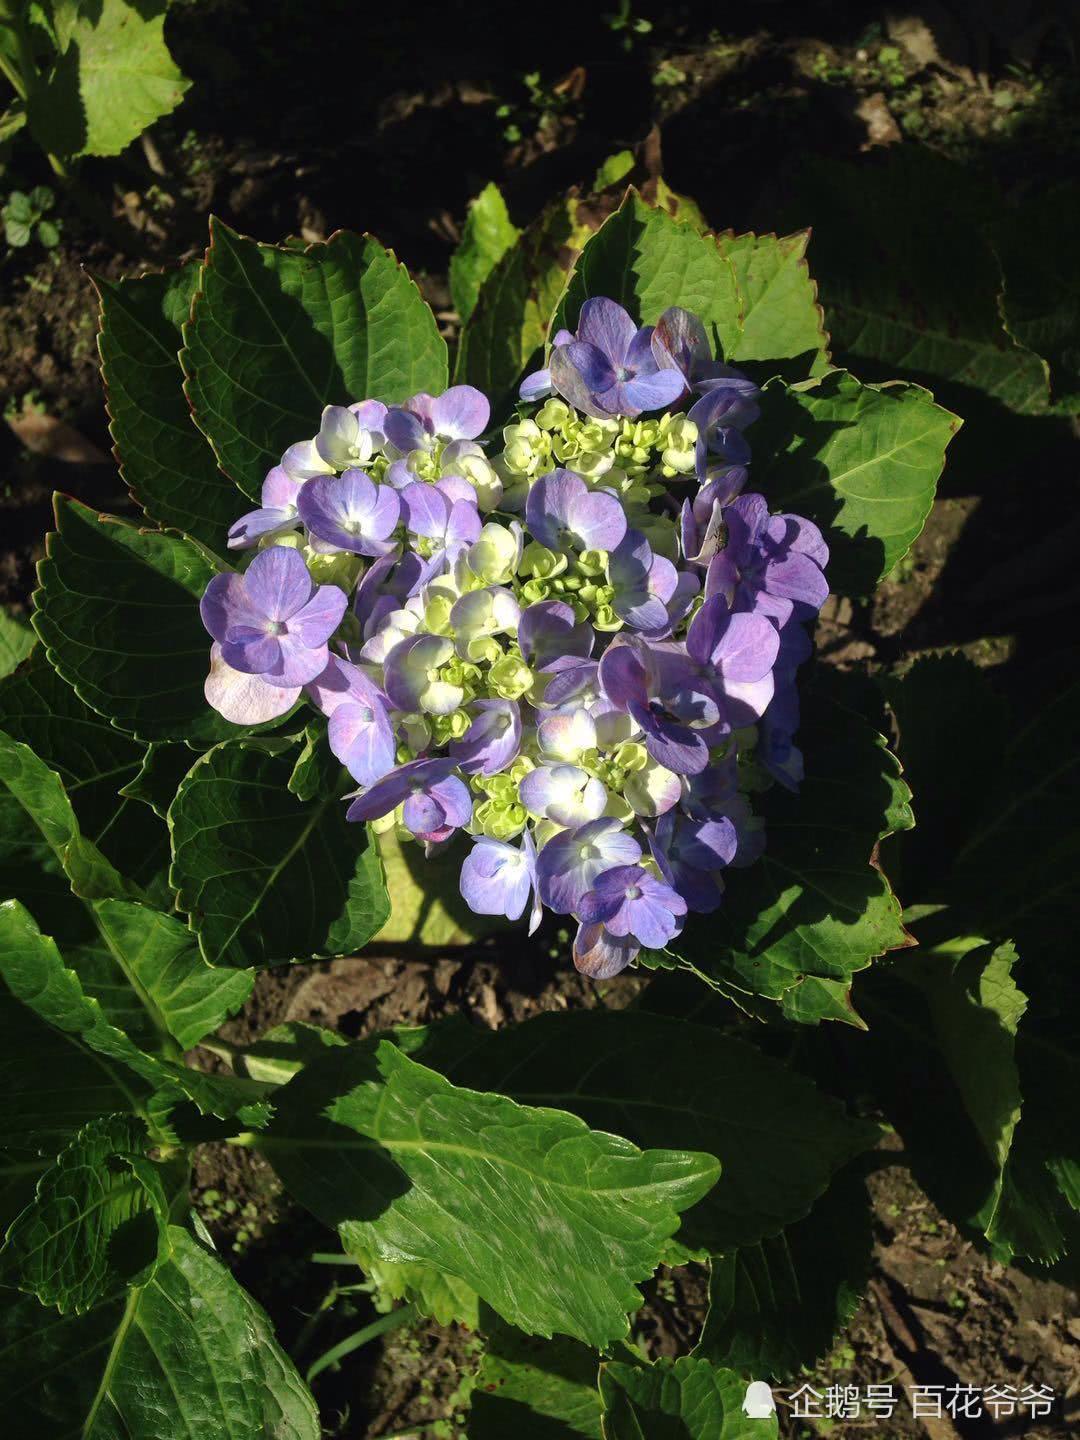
(909, 282)
(164, 460)
(662, 1081)
(685, 1399)
(486, 236)
(777, 1306)
(1041, 303)
(277, 334)
(505, 332)
(412, 1169)
(96, 1224)
(41, 794)
(164, 765)
(189, 1352)
(38, 1115)
(16, 642)
(263, 875)
(861, 461)
(535, 1389)
(815, 907)
(92, 759)
(118, 612)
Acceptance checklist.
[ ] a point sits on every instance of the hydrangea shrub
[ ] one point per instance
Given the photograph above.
(556, 634)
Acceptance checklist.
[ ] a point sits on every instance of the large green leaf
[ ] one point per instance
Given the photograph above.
(534, 1389)
(815, 908)
(862, 461)
(189, 1353)
(114, 77)
(96, 1224)
(777, 1306)
(93, 760)
(486, 236)
(118, 611)
(164, 460)
(263, 875)
(907, 276)
(753, 292)
(662, 1081)
(774, 314)
(277, 334)
(685, 1399)
(35, 973)
(156, 956)
(412, 1168)
(16, 642)
(646, 261)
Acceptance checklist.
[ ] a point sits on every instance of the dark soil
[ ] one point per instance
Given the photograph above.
(309, 115)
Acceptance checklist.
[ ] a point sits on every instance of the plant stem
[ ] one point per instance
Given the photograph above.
(385, 1323)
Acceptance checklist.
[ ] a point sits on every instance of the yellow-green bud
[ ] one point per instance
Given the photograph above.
(510, 678)
(540, 563)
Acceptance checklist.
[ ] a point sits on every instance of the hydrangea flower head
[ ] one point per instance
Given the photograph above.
(577, 644)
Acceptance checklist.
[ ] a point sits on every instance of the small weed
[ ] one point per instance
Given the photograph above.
(24, 217)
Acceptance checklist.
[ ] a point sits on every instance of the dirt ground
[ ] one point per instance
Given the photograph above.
(282, 140)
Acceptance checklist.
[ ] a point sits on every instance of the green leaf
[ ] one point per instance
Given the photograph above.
(17, 233)
(16, 642)
(752, 292)
(775, 312)
(412, 1169)
(486, 236)
(777, 1306)
(159, 957)
(118, 612)
(93, 761)
(265, 876)
(815, 907)
(862, 461)
(535, 1390)
(114, 77)
(646, 261)
(165, 461)
(662, 1081)
(96, 1224)
(685, 1399)
(35, 973)
(905, 294)
(444, 1298)
(277, 334)
(188, 1353)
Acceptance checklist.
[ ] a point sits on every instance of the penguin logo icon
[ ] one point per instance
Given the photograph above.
(758, 1403)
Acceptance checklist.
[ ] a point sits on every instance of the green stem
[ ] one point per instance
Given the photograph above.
(385, 1323)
